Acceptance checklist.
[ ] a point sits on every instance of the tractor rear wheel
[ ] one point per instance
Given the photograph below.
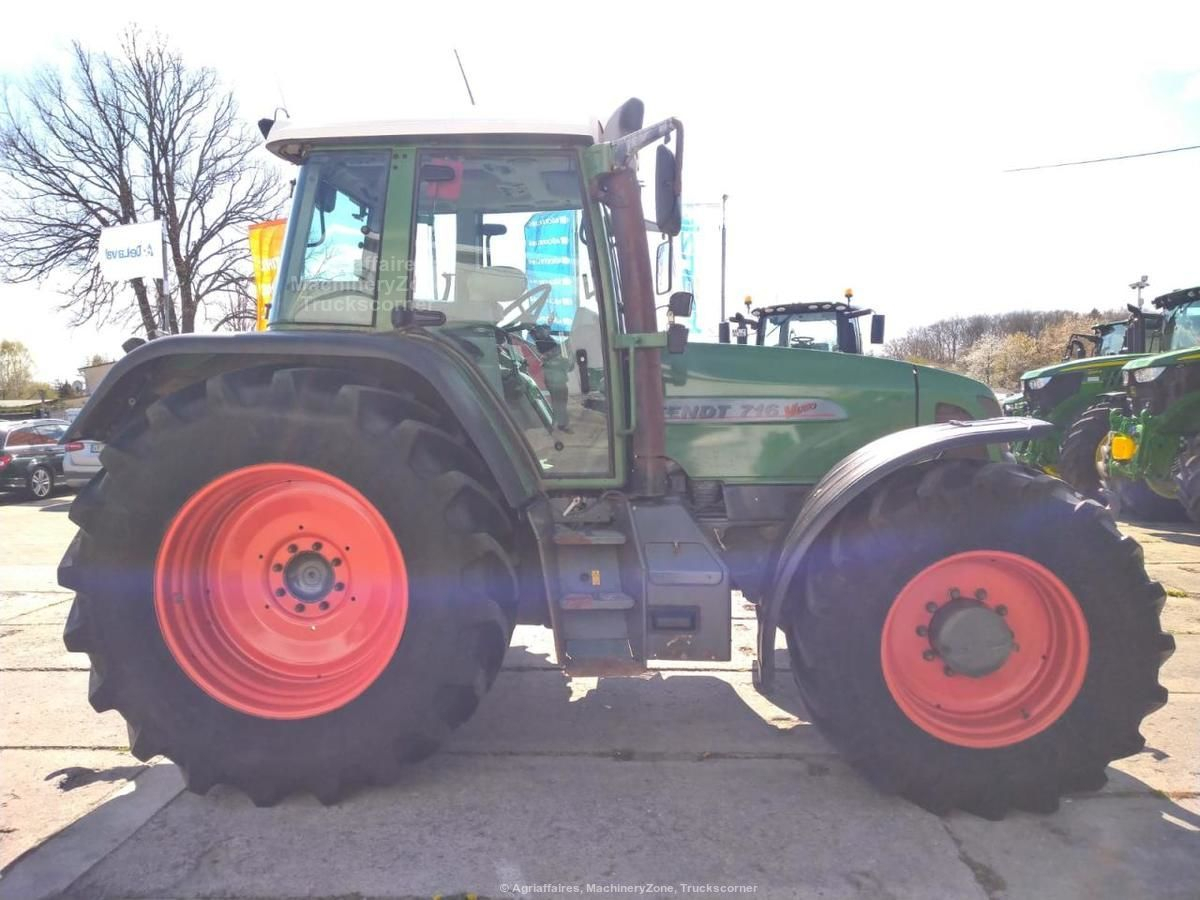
(1078, 463)
(977, 636)
(1187, 477)
(289, 580)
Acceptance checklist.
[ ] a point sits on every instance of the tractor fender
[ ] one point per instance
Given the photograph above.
(849, 478)
(166, 365)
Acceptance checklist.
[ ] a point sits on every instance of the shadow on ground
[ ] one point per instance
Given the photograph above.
(671, 775)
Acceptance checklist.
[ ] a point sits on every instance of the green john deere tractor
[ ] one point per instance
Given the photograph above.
(303, 562)
(1076, 394)
(1153, 451)
(816, 325)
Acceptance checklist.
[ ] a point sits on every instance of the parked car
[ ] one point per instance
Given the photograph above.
(31, 456)
(81, 462)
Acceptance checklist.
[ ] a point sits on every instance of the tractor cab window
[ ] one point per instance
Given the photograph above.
(1113, 341)
(1183, 326)
(331, 264)
(497, 248)
(810, 331)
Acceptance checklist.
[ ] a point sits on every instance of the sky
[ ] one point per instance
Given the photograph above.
(861, 145)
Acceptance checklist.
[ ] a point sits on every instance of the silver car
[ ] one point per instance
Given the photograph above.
(81, 462)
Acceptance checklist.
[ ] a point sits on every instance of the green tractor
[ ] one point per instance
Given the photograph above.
(1153, 451)
(816, 325)
(1076, 394)
(303, 562)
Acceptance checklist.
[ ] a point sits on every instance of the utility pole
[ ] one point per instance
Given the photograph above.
(724, 199)
(1138, 285)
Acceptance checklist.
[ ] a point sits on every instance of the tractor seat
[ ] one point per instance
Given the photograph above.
(484, 291)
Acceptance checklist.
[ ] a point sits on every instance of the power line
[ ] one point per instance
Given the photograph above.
(1084, 162)
(464, 76)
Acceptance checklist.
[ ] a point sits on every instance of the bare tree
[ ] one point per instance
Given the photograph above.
(130, 137)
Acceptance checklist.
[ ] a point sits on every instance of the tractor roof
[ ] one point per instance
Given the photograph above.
(784, 309)
(287, 138)
(1177, 298)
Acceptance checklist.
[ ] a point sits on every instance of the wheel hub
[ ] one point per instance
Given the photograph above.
(972, 639)
(308, 577)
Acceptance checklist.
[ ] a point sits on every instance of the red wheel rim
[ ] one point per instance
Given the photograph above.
(1027, 691)
(281, 591)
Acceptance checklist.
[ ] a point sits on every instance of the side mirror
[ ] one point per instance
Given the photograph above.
(667, 212)
(677, 338)
(877, 322)
(723, 333)
(664, 267)
(681, 305)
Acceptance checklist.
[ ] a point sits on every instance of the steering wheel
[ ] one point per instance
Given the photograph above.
(801, 340)
(528, 312)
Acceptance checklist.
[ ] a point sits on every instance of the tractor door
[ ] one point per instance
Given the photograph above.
(498, 247)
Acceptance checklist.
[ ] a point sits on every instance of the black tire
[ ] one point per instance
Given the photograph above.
(1187, 478)
(1077, 452)
(39, 483)
(1135, 499)
(924, 514)
(429, 486)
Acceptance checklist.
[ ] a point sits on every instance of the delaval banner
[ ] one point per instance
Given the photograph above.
(132, 251)
(550, 259)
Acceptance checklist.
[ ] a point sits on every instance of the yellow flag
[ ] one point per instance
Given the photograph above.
(266, 247)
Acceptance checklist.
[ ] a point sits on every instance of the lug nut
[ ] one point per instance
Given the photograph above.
(981, 595)
(931, 607)
(336, 561)
(278, 567)
(324, 604)
(928, 655)
(922, 631)
(299, 607)
(279, 592)
(316, 545)
(339, 586)
(954, 594)
(947, 671)
(292, 548)
(1002, 610)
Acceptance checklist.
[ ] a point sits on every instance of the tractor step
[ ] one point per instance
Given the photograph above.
(601, 656)
(598, 600)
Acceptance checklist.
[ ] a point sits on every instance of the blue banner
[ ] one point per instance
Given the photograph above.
(687, 265)
(550, 258)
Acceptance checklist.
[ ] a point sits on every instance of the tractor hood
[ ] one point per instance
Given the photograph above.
(747, 413)
(1184, 357)
(1091, 364)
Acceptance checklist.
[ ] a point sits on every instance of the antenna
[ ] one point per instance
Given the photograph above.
(464, 75)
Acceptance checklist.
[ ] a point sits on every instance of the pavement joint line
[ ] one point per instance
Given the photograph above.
(45, 669)
(986, 878)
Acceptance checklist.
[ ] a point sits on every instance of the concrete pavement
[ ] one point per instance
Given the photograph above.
(680, 781)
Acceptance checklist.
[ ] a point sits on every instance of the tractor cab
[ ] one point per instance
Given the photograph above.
(820, 325)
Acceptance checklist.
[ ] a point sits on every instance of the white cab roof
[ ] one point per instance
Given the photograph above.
(287, 137)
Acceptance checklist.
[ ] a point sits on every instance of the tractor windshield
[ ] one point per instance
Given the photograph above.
(1182, 328)
(810, 331)
(1112, 339)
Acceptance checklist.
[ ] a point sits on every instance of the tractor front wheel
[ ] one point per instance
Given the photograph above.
(1187, 477)
(289, 580)
(977, 636)
(1079, 461)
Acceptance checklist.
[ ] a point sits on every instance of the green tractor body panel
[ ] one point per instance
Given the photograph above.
(1162, 409)
(742, 413)
(1162, 406)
